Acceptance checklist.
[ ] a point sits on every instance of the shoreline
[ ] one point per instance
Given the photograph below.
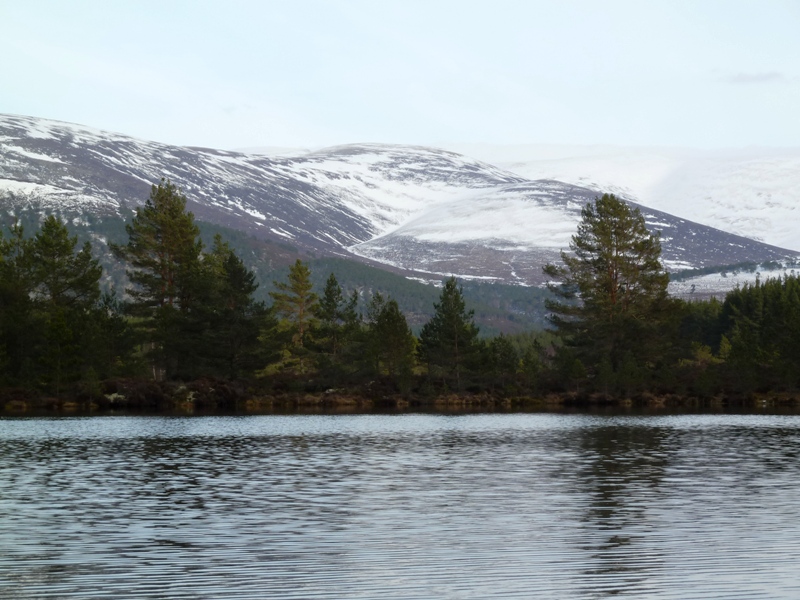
(204, 397)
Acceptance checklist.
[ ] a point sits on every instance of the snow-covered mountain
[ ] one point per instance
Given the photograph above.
(426, 211)
(753, 192)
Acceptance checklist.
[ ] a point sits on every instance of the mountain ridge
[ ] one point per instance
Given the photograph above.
(422, 211)
(752, 191)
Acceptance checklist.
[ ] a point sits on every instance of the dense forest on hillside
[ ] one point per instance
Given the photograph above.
(192, 313)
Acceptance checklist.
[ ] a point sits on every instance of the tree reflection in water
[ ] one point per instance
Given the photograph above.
(400, 506)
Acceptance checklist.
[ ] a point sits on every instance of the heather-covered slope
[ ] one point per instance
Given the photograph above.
(422, 211)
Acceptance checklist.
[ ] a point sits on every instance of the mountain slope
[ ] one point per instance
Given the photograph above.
(510, 233)
(423, 211)
(753, 192)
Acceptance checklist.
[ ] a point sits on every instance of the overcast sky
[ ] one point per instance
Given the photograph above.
(313, 73)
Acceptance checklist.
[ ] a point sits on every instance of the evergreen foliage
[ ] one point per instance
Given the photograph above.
(195, 311)
(391, 345)
(194, 314)
(448, 342)
(55, 328)
(229, 314)
(612, 288)
(762, 327)
(338, 336)
(163, 254)
(503, 363)
(295, 306)
(61, 277)
(64, 287)
(498, 307)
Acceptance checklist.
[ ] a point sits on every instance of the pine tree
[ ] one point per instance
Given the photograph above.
(65, 287)
(62, 277)
(295, 306)
(613, 287)
(391, 343)
(50, 293)
(228, 312)
(163, 253)
(502, 361)
(339, 325)
(762, 326)
(448, 342)
(109, 340)
(18, 332)
(334, 313)
(531, 367)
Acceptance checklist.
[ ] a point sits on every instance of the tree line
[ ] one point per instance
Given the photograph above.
(623, 334)
(190, 313)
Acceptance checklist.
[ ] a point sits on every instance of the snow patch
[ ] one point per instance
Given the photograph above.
(254, 213)
(752, 192)
(281, 233)
(29, 154)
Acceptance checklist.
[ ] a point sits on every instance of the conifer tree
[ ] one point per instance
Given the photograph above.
(391, 343)
(295, 306)
(531, 367)
(502, 361)
(297, 303)
(613, 287)
(448, 342)
(335, 314)
(339, 324)
(17, 329)
(163, 254)
(763, 325)
(228, 312)
(52, 320)
(163, 251)
(61, 276)
(65, 287)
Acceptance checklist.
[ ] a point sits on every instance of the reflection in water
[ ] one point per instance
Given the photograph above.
(622, 469)
(408, 506)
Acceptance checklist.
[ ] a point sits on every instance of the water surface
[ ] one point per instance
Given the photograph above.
(411, 506)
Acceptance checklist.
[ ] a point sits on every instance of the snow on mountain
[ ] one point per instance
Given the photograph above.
(338, 196)
(508, 233)
(274, 151)
(753, 192)
(716, 284)
(427, 211)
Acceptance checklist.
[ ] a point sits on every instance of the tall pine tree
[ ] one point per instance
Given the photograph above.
(66, 287)
(390, 343)
(295, 307)
(54, 329)
(227, 312)
(449, 341)
(163, 254)
(339, 326)
(612, 288)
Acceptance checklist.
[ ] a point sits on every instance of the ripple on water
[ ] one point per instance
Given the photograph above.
(417, 506)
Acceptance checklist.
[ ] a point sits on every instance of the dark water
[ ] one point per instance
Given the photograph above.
(417, 506)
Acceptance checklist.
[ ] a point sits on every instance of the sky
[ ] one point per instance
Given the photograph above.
(301, 73)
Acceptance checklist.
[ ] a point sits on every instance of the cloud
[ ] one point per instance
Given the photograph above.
(767, 77)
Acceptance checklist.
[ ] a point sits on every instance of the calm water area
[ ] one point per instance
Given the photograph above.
(401, 506)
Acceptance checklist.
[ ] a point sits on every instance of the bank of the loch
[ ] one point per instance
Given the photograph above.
(207, 396)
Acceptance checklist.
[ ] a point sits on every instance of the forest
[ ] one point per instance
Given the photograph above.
(189, 320)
